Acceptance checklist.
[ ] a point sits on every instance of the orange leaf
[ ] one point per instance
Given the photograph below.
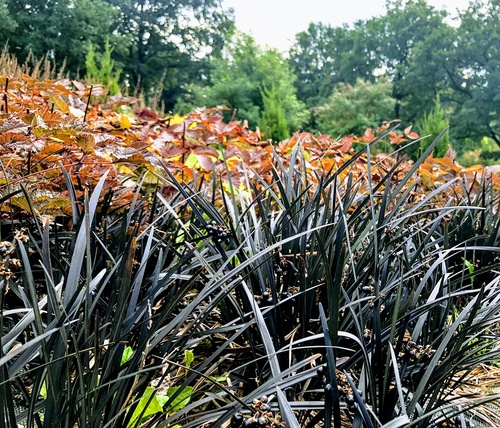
(368, 136)
(205, 162)
(395, 138)
(60, 103)
(447, 162)
(206, 151)
(409, 134)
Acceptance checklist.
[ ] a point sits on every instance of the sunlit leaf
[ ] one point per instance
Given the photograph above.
(148, 405)
(127, 354)
(188, 357)
(181, 401)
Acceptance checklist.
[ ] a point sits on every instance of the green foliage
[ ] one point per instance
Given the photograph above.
(188, 358)
(432, 125)
(272, 71)
(243, 78)
(426, 75)
(324, 56)
(273, 120)
(160, 46)
(474, 74)
(233, 83)
(176, 401)
(152, 403)
(473, 152)
(9, 25)
(471, 268)
(127, 354)
(351, 109)
(170, 43)
(398, 35)
(148, 406)
(104, 73)
(61, 30)
(420, 53)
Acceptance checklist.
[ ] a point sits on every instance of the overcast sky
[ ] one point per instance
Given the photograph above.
(275, 22)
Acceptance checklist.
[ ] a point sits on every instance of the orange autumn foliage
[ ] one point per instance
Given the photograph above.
(47, 126)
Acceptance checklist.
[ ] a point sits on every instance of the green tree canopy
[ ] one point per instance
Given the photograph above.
(251, 80)
(323, 56)
(474, 72)
(60, 29)
(351, 109)
(160, 46)
(8, 23)
(170, 42)
(407, 28)
(407, 45)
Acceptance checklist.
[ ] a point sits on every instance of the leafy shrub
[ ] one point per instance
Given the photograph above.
(240, 81)
(273, 118)
(483, 152)
(105, 73)
(353, 108)
(431, 125)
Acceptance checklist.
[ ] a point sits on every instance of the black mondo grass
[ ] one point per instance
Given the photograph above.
(302, 302)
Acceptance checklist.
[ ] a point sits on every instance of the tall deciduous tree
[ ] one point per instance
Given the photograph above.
(8, 23)
(474, 72)
(169, 42)
(323, 56)
(60, 29)
(160, 45)
(408, 27)
(425, 77)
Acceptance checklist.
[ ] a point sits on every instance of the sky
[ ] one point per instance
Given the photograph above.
(274, 23)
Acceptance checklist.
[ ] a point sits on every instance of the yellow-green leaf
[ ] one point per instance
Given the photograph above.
(181, 401)
(127, 354)
(145, 409)
(188, 357)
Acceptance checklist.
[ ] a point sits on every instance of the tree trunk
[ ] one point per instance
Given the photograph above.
(494, 136)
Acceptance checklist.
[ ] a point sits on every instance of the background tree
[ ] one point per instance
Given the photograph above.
(170, 43)
(60, 29)
(407, 45)
(408, 27)
(242, 78)
(233, 82)
(314, 59)
(323, 56)
(102, 69)
(272, 70)
(273, 118)
(351, 109)
(474, 73)
(432, 125)
(8, 23)
(161, 46)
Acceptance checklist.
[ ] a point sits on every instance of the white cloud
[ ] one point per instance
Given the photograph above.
(275, 22)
